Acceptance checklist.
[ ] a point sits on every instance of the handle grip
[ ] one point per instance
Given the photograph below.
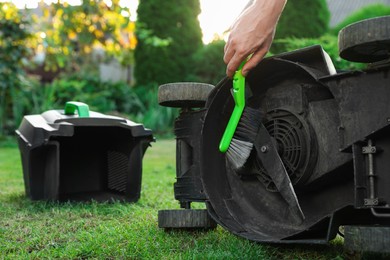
(72, 106)
(230, 129)
(239, 105)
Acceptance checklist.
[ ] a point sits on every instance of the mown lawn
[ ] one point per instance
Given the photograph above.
(120, 230)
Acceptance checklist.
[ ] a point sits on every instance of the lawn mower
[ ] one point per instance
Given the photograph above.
(321, 157)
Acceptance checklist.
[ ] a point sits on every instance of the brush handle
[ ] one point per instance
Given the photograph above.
(239, 100)
(230, 129)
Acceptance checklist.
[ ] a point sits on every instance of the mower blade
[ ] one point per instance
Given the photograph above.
(268, 154)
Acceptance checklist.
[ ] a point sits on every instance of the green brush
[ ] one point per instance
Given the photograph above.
(239, 100)
(241, 130)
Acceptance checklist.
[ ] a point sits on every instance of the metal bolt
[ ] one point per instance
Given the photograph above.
(264, 149)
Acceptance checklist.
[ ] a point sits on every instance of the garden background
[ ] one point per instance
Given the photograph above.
(58, 54)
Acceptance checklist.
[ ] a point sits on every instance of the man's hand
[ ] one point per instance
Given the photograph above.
(252, 34)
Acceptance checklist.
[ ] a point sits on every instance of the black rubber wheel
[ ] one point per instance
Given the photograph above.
(375, 239)
(185, 219)
(184, 94)
(366, 41)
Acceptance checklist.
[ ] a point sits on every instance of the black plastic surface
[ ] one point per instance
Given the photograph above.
(340, 110)
(185, 219)
(188, 186)
(71, 158)
(366, 41)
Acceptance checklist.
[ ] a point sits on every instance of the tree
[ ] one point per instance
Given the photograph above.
(13, 38)
(72, 32)
(175, 22)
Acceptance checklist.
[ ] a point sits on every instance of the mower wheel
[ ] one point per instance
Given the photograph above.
(185, 219)
(184, 94)
(360, 239)
(366, 41)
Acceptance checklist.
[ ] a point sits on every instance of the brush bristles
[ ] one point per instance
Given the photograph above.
(238, 152)
(242, 143)
(249, 125)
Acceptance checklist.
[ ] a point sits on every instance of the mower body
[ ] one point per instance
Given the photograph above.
(321, 156)
(331, 131)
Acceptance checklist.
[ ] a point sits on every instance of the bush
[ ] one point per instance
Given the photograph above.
(328, 42)
(208, 65)
(367, 12)
(100, 96)
(139, 104)
(303, 19)
(158, 118)
(13, 39)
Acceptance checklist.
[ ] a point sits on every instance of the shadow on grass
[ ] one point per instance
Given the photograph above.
(18, 202)
(195, 232)
(306, 251)
(223, 240)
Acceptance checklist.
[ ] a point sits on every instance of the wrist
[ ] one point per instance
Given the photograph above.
(274, 6)
(271, 9)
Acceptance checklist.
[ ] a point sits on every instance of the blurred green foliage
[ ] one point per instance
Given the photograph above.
(303, 19)
(100, 96)
(327, 39)
(369, 11)
(158, 118)
(176, 22)
(208, 65)
(328, 43)
(139, 104)
(13, 51)
(71, 33)
(169, 49)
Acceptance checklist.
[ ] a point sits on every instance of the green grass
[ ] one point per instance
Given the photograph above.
(120, 230)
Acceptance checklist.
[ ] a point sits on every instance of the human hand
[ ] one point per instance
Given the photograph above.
(252, 34)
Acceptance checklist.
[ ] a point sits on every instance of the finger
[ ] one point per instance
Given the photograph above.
(233, 64)
(226, 46)
(254, 60)
(229, 53)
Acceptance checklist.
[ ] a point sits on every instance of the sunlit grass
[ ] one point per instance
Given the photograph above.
(120, 230)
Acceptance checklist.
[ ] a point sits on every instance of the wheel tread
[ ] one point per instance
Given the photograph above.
(185, 218)
(356, 40)
(184, 94)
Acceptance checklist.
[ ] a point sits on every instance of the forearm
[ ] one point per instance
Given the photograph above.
(271, 8)
(279, 4)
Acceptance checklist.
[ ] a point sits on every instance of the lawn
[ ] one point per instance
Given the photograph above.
(30, 229)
